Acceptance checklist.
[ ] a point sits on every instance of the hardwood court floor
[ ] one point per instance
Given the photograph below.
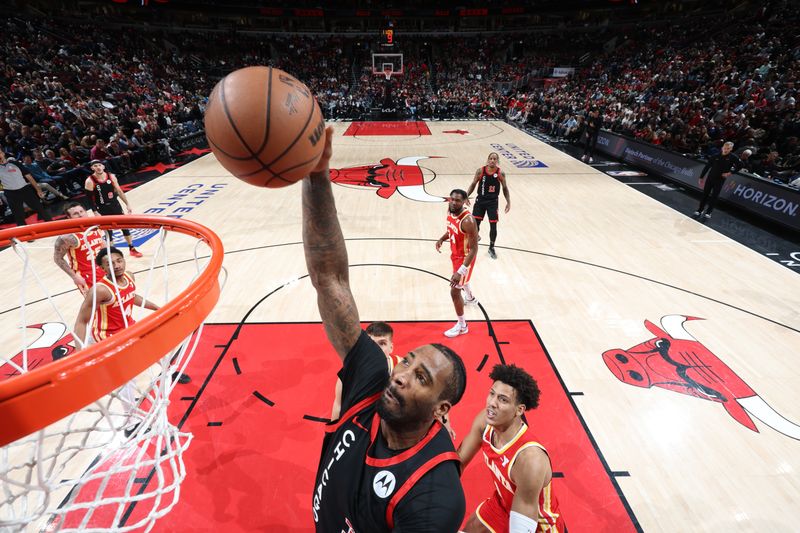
(583, 259)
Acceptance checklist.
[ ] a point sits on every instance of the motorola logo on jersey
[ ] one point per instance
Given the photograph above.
(383, 483)
(676, 361)
(403, 176)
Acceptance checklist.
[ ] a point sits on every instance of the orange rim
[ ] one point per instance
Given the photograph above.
(32, 401)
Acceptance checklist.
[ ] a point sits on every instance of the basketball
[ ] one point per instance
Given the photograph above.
(264, 126)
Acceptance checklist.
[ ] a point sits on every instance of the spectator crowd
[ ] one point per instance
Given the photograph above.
(688, 84)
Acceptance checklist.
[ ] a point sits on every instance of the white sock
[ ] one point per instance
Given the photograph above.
(461, 321)
(468, 292)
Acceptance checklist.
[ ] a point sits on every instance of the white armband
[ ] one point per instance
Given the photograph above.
(519, 523)
(462, 270)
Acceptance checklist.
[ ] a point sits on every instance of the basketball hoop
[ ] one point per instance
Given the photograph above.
(72, 412)
(387, 73)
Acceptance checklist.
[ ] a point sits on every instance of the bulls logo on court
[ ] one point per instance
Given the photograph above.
(404, 176)
(676, 361)
(53, 343)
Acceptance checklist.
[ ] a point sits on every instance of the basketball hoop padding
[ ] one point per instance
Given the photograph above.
(32, 401)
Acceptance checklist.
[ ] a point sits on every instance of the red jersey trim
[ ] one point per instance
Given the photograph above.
(411, 481)
(107, 175)
(496, 171)
(356, 408)
(372, 461)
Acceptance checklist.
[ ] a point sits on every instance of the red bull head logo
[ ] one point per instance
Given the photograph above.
(676, 361)
(52, 343)
(404, 176)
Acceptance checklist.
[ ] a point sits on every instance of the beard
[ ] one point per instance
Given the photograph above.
(402, 416)
(388, 412)
(454, 210)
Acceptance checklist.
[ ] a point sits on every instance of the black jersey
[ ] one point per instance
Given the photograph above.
(361, 485)
(489, 186)
(104, 193)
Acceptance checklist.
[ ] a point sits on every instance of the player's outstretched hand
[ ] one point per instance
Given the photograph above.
(327, 152)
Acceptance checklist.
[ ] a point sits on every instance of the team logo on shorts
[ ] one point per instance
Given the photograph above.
(676, 361)
(383, 484)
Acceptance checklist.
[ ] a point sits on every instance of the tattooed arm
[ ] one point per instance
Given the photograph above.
(326, 257)
(63, 245)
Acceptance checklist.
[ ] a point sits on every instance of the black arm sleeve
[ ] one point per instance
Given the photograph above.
(364, 373)
(433, 505)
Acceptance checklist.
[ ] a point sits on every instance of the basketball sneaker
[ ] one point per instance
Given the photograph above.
(135, 253)
(697, 213)
(471, 301)
(456, 330)
(492, 253)
(706, 215)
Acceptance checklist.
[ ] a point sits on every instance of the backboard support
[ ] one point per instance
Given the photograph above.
(387, 65)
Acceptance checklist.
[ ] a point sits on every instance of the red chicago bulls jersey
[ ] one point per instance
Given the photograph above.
(459, 244)
(108, 317)
(81, 258)
(501, 461)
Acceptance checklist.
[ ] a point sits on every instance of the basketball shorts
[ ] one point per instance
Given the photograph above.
(457, 262)
(492, 515)
(112, 208)
(486, 207)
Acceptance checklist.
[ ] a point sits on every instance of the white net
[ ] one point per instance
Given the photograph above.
(116, 464)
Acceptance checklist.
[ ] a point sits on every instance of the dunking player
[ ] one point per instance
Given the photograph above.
(523, 499)
(462, 231)
(81, 249)
(489, 180)
(387, 464)
(106, 193)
